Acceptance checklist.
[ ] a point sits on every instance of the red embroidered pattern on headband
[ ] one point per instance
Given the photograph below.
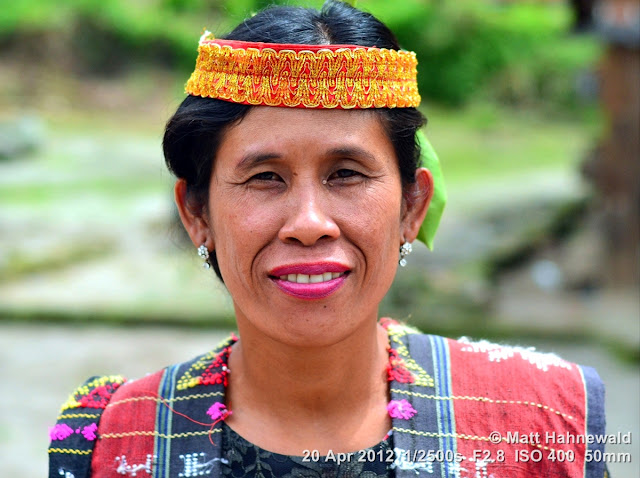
(305, 76)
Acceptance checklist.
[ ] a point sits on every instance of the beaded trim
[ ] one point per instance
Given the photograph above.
(95, 393)
(304, 76)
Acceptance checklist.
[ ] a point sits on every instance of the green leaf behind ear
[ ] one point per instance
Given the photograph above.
(429, 160)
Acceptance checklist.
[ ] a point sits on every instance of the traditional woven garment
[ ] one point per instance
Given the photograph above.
(461, 409)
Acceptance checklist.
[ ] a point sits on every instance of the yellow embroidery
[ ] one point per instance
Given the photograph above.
(85, 389)
(70, 451)
(165, 400)
(78, 415)
(160, 435)
(439, 435)
(487, 400)
(422, 378)
(349, 77)
(462, 436)
(188, 380)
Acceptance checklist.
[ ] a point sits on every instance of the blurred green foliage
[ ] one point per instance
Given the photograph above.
(515, 52)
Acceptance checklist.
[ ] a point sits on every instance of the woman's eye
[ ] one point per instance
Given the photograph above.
(344, 174)
(266, 176)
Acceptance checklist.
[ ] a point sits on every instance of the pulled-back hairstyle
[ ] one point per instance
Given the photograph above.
(194, 133)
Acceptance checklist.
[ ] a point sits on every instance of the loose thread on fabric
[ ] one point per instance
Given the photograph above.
(211, 425)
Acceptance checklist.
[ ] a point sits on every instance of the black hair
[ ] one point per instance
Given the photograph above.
(193, 135)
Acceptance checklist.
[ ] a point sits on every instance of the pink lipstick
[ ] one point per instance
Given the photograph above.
(310, 281)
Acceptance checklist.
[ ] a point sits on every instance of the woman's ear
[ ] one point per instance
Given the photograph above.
(194, 220)
(417, 201)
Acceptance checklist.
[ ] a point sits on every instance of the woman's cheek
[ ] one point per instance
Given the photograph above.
(372, 212)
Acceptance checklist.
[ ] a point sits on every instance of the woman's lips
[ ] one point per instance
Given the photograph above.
(311, 278)
(310, 281)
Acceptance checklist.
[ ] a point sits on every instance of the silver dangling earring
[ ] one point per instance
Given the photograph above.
(203, 252)
(405, 250)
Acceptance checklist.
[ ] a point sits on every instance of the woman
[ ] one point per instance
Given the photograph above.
(299, 182)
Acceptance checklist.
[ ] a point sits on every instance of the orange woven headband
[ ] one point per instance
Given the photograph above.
(304, 76)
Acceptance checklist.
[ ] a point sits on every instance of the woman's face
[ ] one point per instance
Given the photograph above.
(306, 216)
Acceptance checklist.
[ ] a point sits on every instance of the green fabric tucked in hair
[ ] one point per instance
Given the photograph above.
(429, 160)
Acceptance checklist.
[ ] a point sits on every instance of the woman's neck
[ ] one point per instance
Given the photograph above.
(294, 398)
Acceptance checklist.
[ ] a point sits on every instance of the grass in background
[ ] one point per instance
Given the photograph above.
(484, 141)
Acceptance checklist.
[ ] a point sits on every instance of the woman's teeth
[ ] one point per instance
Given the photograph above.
(311, 279)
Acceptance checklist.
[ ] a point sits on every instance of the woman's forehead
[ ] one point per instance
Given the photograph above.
(270, 132)
(324, 125)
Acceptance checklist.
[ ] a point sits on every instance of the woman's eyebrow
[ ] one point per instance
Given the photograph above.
(353, 152)
(253, 159)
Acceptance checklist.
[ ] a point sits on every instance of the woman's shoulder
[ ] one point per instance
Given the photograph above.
(483, 399)
(75, 432)
(482, 359)
(111, 409)
(482, 368)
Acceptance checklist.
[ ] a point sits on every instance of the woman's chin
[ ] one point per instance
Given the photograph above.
(322, 327)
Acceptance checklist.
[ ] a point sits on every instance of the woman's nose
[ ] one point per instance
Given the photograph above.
(308, 221)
